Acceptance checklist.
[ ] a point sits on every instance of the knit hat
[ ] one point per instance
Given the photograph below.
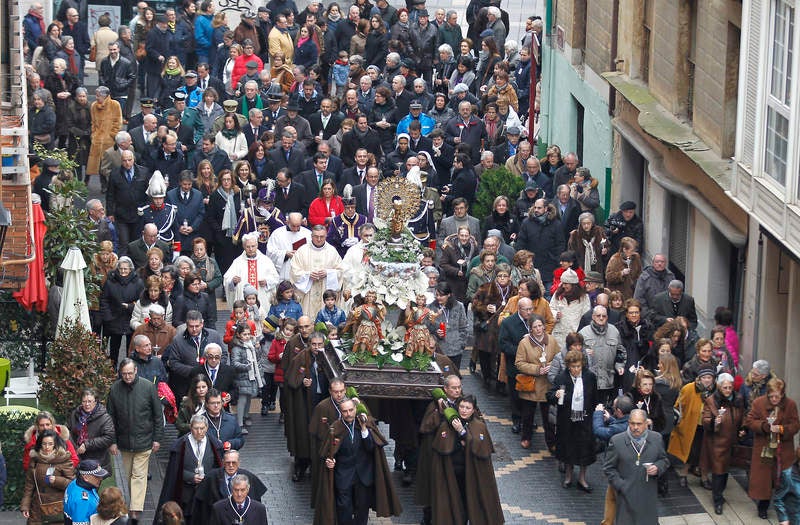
(706, 372)
(249, 289)
(569, 276)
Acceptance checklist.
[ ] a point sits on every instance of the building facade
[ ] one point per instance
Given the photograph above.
(766, 181)
(666, 75)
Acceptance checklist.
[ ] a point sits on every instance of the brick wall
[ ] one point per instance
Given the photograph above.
(14, 198)
(598, 35)
(570, 15)
(664, 77)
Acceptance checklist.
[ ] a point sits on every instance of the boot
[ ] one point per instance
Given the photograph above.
(427, 516)
(663, 486)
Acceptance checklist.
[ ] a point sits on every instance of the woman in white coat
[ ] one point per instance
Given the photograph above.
(231, 140)
(568, 304)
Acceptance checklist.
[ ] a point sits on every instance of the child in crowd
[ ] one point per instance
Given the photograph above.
(254, 311)
(249, 380)
(285, 304)
(330, 314)
(239, 314)
(282, 335)
(340, 74)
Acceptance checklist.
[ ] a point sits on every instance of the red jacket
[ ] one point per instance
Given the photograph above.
(228, 337)
(30, 442)
(275, 351)
(240, 68)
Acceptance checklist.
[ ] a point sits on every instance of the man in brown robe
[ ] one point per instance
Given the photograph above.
(434, 415)
(358, 476)
(306, 380)
(325, 414)
(295, 428)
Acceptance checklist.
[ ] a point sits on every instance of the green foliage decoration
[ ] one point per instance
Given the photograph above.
(13, 425)
(494, 182)
(77, 361)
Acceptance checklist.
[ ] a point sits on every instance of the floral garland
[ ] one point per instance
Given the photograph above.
(382, 248)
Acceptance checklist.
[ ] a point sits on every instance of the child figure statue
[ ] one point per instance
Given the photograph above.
(418, 338)
(365, 324)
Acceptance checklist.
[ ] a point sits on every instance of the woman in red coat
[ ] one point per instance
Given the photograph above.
(326, 206)
(774, 422)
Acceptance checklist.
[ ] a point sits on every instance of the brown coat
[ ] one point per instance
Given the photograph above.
(427, 431)
(489, 293)
(385, 501)
(718, 440)
(529, 362)
(482, 505)
(324, 415)
(160, 338)
(624, 283)
(762, 475)
(106, 122)
(64, 473)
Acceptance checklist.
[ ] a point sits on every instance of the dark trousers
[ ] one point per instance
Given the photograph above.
(528, 415)
(127, 232)
(456, 359)
(269, 390)
(718, 484)
(352, 504)
(513, 396)
(488, 371)
(114, 341)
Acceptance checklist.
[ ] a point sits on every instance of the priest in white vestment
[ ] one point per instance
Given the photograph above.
(353, 261)
(284, 242)
(315, 267)
(254, 268)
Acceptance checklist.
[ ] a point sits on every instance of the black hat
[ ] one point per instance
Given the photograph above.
(263, 9)
(627, 205)
(147, 102)
(161, 19)
(90, 467)
(531, 185)
(292, 106)
(274, 93)
(251, 64)
(407, 62)
(422, 12)
(179, 95)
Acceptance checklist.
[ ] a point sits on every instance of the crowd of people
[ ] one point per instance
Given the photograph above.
(251, 175)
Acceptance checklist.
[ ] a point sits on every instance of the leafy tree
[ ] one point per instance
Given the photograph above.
(77, 361)
(495, 182)
(13, 425)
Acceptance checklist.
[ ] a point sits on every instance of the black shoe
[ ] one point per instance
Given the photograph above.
(515, 428)
(264, 410)
(762, 513)
(706, 484)
(398, 465)
(718, 509)
(280, 419)
(584, 488)
(566, 484)
(471, 366)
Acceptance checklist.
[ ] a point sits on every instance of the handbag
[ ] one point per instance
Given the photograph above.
(140, 52)
(52, 512)
(93, 53)
(525, 383)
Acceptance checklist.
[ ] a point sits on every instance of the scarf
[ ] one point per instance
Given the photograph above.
(39, 18)
(640, 441)
(335, 18)
(599, 330)
(73, 65)
(83, 422)
(756, 387)
(229, 134)
(404, 25)
(252, 363)
(491, 127)
(229, 215)
(589, 255)
(577, 399)
(172, 71)
(301, 40)
(171, 26)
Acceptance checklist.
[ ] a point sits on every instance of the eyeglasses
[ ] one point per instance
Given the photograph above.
(304, 326)
(213, 357)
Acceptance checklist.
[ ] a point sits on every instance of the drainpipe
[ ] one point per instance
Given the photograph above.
(612, 66)
(759, 270)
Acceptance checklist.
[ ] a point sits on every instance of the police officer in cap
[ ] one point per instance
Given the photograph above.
(148, 108)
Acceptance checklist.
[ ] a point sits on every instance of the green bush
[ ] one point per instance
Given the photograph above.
(77, 361)
(12, 427)
(495, 182)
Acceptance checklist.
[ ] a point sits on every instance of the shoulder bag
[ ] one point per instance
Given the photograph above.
(52, 512)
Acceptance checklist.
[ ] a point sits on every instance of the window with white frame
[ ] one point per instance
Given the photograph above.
(779, 97)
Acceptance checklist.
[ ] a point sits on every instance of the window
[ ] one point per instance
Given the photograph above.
(779, 98)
